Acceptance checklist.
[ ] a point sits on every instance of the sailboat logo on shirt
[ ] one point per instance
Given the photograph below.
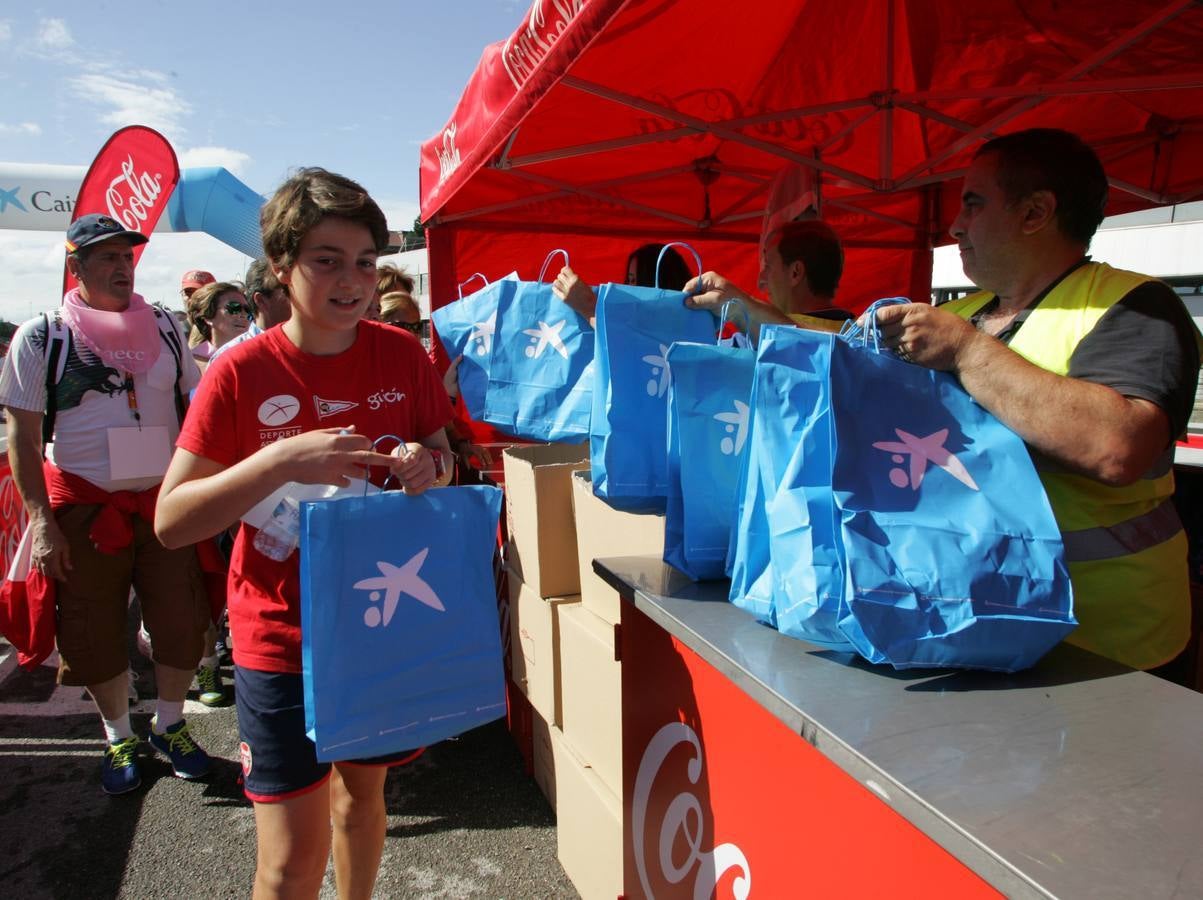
(326, 408)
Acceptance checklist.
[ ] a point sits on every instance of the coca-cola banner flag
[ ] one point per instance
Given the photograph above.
(131, 180)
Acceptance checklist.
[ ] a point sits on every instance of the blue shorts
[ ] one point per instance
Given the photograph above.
(278, 759)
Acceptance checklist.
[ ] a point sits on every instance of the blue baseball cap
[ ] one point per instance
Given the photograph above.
(96, 227)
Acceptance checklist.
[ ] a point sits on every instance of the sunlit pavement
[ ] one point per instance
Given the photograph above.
(464, 820)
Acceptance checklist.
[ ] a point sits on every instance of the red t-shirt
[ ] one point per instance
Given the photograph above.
(266, 389)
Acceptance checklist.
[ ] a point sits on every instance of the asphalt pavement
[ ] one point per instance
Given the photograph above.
(464, 819)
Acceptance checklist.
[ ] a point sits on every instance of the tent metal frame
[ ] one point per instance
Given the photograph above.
(883, 103)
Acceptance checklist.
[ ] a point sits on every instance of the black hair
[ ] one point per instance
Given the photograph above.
(1054, 160)
(260, 279)
(673, 271)
(818, 247)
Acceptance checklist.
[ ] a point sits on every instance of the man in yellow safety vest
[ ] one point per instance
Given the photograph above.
(1094, 367)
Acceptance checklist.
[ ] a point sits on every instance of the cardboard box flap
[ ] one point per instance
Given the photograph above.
(542, 530)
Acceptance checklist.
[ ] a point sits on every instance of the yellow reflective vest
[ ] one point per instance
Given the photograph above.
(1125, 545)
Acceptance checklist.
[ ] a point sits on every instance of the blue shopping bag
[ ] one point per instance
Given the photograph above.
(708, 418)
(628, 428)
(400, 640)
(953, 555)
(748, 563)
(805, 580)
(468, 328)
(541, 372)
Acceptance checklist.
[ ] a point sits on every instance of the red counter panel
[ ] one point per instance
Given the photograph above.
(720, 798)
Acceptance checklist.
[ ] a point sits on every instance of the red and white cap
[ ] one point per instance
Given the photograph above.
(196, 278)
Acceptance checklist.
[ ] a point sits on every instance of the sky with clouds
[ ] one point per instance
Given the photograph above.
(258, 88)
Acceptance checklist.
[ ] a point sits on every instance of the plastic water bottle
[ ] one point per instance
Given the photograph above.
(281, 533)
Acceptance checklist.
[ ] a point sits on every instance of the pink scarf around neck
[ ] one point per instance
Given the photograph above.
(126, 340)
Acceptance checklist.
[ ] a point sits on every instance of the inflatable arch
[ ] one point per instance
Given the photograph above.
(207, 199)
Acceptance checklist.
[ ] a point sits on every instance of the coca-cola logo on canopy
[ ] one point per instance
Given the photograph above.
(545, 22)
(448, 154)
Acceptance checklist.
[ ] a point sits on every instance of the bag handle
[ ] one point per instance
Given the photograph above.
(468, 280)
(870, 334)
(738, 339)
(547, 262)
(696, 258)
(375, 444)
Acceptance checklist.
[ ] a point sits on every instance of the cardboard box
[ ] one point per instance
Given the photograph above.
(535, 646)
(591, 691)
(588, 826)
(603, 531)
(538, 509)
(545, 758)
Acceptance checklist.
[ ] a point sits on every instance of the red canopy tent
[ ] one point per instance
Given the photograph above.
(600, 125)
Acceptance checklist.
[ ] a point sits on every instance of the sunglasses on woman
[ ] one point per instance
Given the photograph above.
(236, 308)
(411, 327)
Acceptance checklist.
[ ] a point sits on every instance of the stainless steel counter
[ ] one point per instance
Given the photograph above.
(1077, 778)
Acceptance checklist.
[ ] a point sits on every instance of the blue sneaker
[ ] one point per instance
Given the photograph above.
(119, 772)
(188, 760)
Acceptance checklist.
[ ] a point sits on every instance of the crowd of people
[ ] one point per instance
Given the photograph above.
(157, 441)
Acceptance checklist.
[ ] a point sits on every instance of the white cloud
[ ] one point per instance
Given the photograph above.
(168, 256)
(142, 74)
(33, 273)
(234, 160)
(54, 35)
(6, 31)
(33, 265)
(30, 128)
(132, 103)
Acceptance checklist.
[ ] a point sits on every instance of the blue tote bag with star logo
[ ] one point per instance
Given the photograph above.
(787, 558)
(708, 422)
(628, 433)
(540, 383)
(400, 637)
(953, 555)
(941, 546)
(468, 328)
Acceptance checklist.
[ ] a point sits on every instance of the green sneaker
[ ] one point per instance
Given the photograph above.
(119, 772)
(188, 760)
(212, 691)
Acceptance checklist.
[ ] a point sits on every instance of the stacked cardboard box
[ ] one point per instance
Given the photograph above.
(604, 531)
(588, 824)
(535, 646)
(564, 653)
(538, 509)
(541, 567)
(591, 686)
(582, 758)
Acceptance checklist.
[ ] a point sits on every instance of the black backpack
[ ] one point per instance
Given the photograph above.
(58, 346)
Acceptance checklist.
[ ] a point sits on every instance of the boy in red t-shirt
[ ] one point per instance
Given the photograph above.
(303, 403)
